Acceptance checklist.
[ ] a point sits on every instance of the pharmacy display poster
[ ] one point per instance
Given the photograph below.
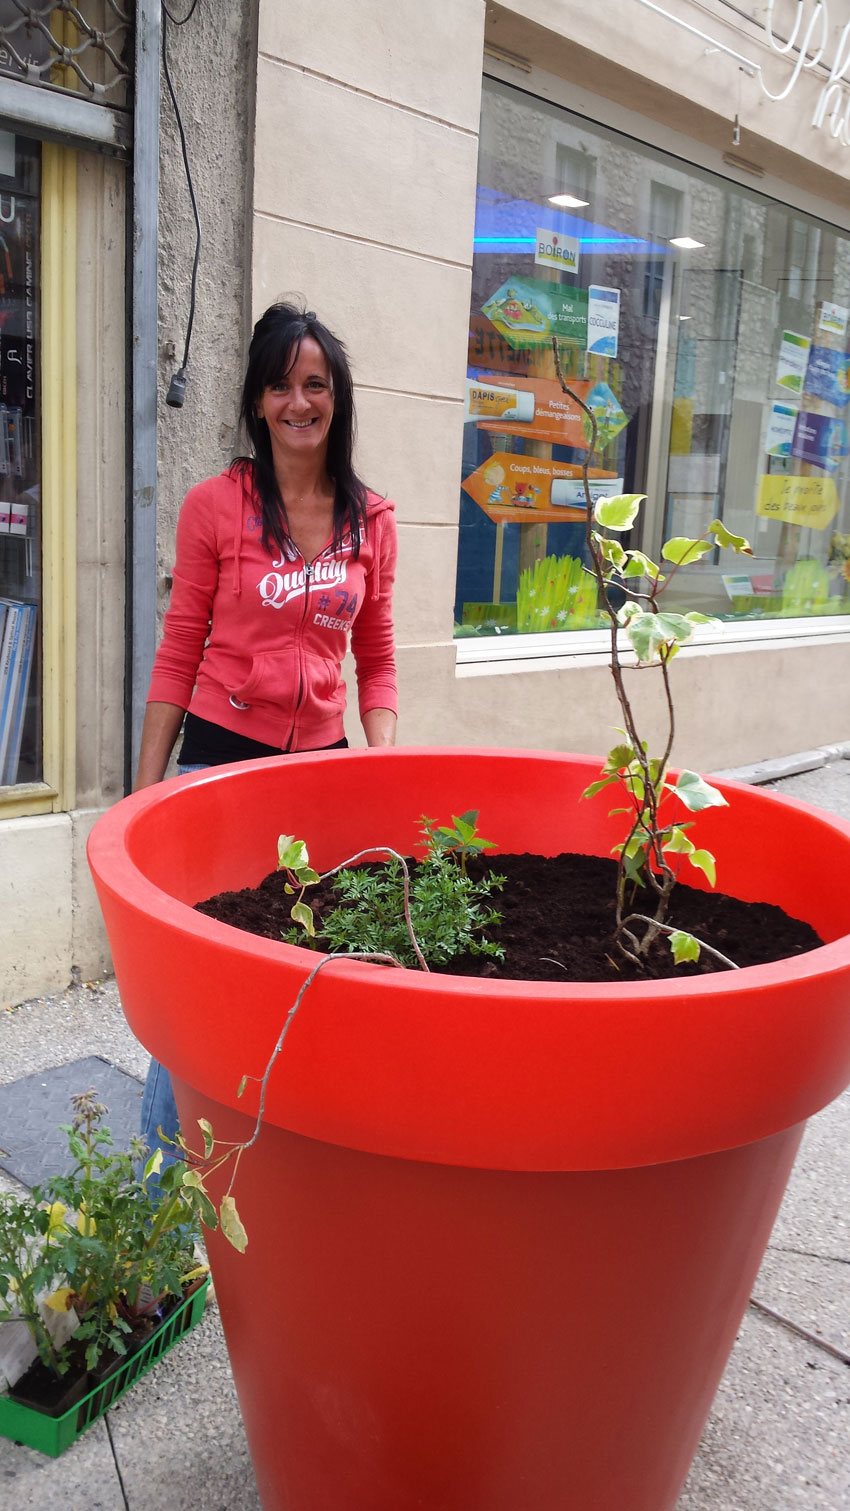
(793, 360)
(529, 312)
(554, 250)
(833, 318)
(798, 500)
(780, 429)
(608, 412)
(603, 320)
(828, 376)
(520, 489)
(819, 439)
(539, 409)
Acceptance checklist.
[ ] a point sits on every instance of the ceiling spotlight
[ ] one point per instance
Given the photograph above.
(687, 243)
(568, 202)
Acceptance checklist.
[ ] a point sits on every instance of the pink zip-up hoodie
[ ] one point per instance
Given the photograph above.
(254, 641)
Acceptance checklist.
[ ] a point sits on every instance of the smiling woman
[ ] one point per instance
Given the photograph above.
(282, 562)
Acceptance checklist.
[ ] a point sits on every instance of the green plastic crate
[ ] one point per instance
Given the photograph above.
(52, 1435)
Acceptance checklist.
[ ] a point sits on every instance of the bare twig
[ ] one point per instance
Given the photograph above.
(379, 959)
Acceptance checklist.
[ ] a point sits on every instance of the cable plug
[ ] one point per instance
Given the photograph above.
(177, 389)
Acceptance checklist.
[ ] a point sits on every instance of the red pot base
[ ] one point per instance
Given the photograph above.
(450, 1339)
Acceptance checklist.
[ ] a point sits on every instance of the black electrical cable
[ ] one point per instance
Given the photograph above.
(177, 387)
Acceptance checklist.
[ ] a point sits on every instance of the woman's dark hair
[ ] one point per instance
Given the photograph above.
(274, 349)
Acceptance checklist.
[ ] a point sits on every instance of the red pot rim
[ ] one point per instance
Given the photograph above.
(497, 1073)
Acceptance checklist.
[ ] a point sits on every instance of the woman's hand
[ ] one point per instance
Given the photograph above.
(379, 726)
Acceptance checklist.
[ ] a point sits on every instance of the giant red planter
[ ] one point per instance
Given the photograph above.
(501, 1234)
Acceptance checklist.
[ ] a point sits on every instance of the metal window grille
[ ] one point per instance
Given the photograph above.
(83, 48)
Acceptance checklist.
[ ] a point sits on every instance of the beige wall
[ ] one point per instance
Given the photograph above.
(369, 214)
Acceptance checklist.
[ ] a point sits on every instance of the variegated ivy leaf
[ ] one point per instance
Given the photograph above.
(647, 633)
(678, 843)
(639, 565)
(635, 845)
(618, 757)
(595, 787)
(291, 853)
(682, 549)
(704, 861)
(634, 781)
(304, 915)
(206, 1128)
(612, 551)
(697, 794)
(633, 866)
(231, 1225)
(153, 1166)
(628, 611)
(619, 512)
(684, 946)
(730, 542)
(196, 1194)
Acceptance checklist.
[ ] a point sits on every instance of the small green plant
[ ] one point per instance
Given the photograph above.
(121, 1245)
(459, 838)
(425, 920)
(630, 585)
(100, 1241)
(293, 859)
(29, 1267)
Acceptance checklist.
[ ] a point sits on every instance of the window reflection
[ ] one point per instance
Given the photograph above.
(708, 328)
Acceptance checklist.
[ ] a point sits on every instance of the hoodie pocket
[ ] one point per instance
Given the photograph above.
(273, 679)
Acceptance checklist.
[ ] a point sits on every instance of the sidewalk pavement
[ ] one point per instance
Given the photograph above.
(778, 1438)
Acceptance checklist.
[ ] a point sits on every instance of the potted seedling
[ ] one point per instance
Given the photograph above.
(512, 1225)
(99, 1248)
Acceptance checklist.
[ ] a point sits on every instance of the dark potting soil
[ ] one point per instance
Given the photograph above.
(53, 1394)
(559, 909)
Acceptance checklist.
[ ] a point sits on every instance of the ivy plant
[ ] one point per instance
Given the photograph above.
(644, 634)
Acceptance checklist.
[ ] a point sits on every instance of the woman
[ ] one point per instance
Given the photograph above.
(279, 560)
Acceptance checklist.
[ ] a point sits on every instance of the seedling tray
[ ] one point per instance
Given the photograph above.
(52, 1435)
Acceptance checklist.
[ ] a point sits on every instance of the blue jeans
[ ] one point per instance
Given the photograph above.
(159, 1109)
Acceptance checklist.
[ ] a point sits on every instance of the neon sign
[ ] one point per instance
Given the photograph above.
(810, 36)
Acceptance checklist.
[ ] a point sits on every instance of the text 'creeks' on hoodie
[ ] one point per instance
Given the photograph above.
(254, 641)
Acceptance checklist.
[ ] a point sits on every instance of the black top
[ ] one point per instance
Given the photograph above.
(207, 744)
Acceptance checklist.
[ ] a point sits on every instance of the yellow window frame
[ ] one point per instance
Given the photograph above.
(56, 793)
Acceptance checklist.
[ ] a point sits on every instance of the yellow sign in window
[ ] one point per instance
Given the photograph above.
(798, 500)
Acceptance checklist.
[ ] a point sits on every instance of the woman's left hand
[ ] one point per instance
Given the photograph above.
(379, 725)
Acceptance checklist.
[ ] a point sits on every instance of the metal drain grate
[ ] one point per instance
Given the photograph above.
(32, 1111)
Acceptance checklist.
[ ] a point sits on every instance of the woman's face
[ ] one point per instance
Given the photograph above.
(299, 407)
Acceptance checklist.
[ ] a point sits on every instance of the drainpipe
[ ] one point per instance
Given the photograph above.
(141, 552)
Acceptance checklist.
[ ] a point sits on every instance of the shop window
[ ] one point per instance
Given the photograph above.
(20, 470)
(718, 367)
